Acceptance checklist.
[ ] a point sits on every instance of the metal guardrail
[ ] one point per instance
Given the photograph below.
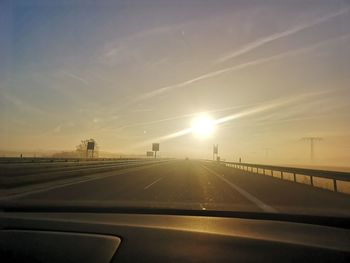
(330, 180)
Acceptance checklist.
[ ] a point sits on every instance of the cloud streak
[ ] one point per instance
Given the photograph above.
(270, 38)
(147, 123)
(241, 66)
(73, 76)
(252, 111)
(117, 46)
(23, 105)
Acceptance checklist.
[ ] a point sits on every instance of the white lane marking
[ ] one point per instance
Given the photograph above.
(83, 179)
(247, 195)
(156, 181)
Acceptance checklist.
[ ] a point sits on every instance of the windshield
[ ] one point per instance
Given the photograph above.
(204, 105)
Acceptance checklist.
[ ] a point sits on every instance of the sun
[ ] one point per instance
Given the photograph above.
(202, 126)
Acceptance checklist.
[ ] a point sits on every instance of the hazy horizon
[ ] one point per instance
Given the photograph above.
(129, 73)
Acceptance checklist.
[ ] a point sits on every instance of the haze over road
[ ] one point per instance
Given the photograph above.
(196, 185)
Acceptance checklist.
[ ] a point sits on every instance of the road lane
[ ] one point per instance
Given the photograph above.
(243, 192)
(37, 175)
(199, 185)
(286, 196)
(179, 184)
(54, 185)
(112, 187)
(190, 185)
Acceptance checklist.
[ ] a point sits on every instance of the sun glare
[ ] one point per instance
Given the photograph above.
(202, 126)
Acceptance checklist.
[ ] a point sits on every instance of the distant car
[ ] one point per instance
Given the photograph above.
(186, 158)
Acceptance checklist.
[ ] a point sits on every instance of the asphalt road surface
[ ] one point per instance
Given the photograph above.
(191, 184)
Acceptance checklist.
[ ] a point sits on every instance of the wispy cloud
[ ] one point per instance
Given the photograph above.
(184, 116)
(76, 77)
(141, 110)
(241, 66)
(22, 105)
(270, 106)
(122, 44)
(270, 38)
(322, 107)
(251, 111)
(57, 129)
(60, 128)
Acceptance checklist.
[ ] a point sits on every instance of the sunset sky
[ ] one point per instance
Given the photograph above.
(128, 73)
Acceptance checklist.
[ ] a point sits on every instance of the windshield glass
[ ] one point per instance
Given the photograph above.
(205, 105)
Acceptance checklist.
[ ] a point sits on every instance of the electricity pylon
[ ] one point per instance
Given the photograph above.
(267, 151)
(312, 141)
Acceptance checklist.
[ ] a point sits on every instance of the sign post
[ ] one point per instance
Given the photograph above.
(155, 148)
(215, 151)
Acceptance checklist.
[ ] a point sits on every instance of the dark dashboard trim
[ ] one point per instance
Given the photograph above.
(332, 221)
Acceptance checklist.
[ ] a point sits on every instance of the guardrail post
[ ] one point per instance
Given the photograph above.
(335, 185)
(295, 177)
(311, 180)
(281, 175)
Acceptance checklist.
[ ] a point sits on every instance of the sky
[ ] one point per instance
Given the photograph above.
(129, 73)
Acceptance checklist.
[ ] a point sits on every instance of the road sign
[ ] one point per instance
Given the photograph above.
(150, 154)
(155, 147)
(90, 145)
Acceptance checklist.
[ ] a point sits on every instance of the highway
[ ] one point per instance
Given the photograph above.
(191, 184)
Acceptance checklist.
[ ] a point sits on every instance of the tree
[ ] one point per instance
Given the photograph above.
(83, 150)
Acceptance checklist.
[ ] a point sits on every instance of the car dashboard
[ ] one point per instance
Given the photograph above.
(41, 236)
